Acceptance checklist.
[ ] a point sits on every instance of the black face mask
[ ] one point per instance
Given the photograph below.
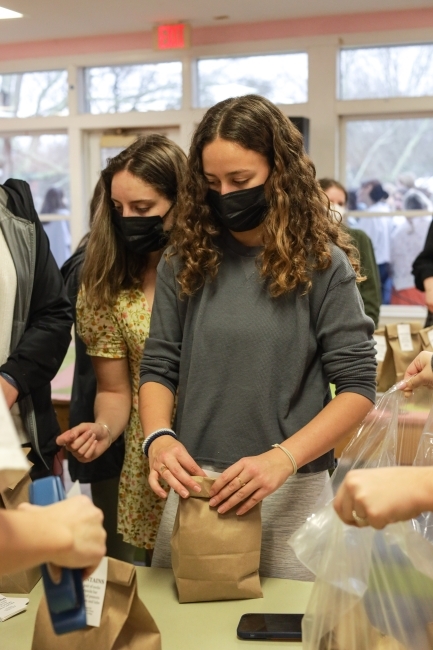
(241, 210)
(140, 235)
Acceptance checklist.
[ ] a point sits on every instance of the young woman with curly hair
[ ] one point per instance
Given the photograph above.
(256, 312)
(137, 207)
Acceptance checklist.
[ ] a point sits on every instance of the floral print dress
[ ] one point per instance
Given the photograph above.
(118, 332)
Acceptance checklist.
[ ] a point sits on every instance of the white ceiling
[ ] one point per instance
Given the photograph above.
(47, 19)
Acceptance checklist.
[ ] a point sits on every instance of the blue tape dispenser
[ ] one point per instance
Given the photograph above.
(65, 598)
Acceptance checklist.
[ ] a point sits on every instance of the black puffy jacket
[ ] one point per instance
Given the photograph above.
(42, 321)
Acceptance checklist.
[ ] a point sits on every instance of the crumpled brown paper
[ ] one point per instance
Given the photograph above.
(125, 622)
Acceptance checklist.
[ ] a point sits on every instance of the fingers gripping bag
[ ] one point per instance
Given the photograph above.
(373, 588)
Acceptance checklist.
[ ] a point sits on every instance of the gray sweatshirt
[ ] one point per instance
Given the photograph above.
(251, 370)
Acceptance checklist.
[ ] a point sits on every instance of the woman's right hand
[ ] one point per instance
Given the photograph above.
(419, 373)
(75, 536)
(169, 460)
(381, 496)
(86, 441)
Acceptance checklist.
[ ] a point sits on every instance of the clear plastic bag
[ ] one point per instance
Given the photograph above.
(373, 589)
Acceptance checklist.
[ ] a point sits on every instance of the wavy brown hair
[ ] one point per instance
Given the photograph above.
(298, 229)
(108, 267)
(327, 183)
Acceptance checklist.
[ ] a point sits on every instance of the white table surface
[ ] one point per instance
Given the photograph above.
(195, 626)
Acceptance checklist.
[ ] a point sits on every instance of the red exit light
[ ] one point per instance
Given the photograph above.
(172, 37)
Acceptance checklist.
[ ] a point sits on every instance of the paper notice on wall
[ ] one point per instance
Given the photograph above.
(380, 347)
(94, 593)
(13, 463)
(405, 337)
(11, 606)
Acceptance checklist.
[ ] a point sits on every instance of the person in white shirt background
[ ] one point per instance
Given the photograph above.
(58, 231)
(372, 197)
(407, 240)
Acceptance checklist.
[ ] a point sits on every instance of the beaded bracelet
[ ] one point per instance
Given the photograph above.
(289, 455)
(153, 436)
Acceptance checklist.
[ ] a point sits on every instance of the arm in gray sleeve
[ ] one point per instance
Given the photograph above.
(161, 356)
(344, 334)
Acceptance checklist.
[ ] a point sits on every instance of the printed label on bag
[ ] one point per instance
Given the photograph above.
(94, 593)
(11, 606)
(430, 337)
(380, 347)
(74, 491)
(405, 337)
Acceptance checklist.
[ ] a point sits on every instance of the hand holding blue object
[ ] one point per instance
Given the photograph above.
(65, 598)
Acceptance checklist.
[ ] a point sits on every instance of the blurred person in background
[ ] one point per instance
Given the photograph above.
(407, 239)
(422, 270)
(372, 197)
(370, 287)
(58, 231)
(406, 181)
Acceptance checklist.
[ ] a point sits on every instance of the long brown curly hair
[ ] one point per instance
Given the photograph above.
(298, 228)
(108, 267)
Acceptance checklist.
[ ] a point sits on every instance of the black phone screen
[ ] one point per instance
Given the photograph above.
(271, 626)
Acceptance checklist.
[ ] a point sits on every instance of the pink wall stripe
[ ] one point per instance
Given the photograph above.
(71, 46)
(215, 34)
(315, 26)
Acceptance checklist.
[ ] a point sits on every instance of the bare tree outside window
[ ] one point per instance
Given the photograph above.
(121, 89)
(384, 149)
(376, 72)
(34, 93)
(282, 78)
(42, 160)
(397, 156)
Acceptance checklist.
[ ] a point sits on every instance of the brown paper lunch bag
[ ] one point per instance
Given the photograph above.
(382, 346)
(22, 582)
(215, 557)
(125, 622)
(426, 336)
(397, 360)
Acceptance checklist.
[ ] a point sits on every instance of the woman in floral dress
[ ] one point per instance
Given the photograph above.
(128, 236)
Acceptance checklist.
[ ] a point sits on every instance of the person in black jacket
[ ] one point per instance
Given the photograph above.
(103, 473)
(422, 270)
(35, 323)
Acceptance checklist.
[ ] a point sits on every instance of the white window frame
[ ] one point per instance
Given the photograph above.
(323, 108)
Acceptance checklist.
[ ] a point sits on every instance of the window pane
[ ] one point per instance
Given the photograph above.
(34, 93)
(43, 161)
(385, 149)
(282, 78)
(374, 72)
(397, 154)
(120, 89)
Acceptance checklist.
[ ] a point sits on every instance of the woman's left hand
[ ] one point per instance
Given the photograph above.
(249, 481)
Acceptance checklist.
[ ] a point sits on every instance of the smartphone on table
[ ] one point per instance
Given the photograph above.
(271, 626)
